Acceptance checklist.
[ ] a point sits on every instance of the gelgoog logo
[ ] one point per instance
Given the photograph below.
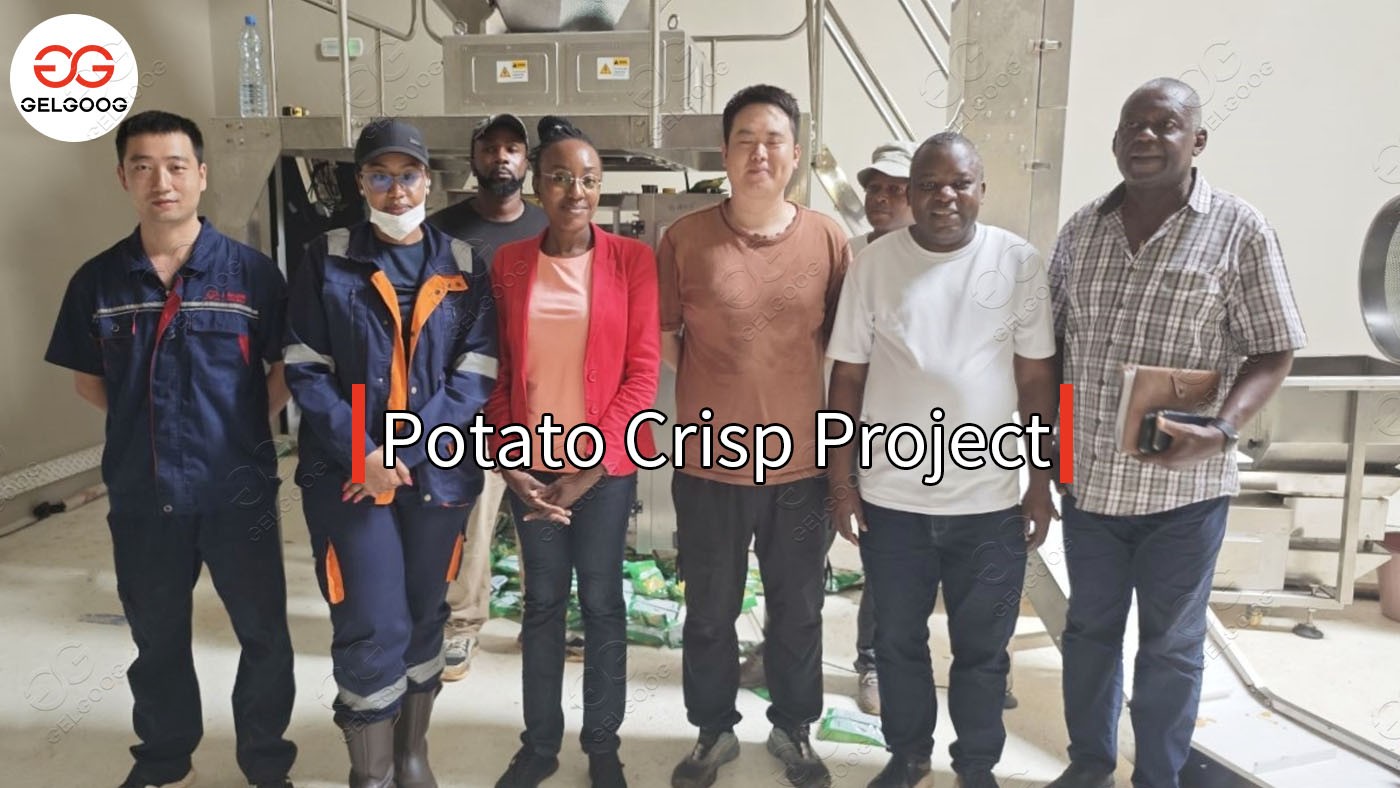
(41, 69)
(73, 78)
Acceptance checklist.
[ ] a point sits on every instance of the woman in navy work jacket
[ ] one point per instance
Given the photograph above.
(388, 303)
(580, 341)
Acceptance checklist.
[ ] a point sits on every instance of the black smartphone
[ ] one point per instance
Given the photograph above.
(1153, 441)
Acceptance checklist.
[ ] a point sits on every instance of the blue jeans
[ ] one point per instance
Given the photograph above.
(1168, 558)
(593, 545)
(980, 559)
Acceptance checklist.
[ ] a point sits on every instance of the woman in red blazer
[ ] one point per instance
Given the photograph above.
(579, 343)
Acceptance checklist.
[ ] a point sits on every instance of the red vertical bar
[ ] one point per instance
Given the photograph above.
(1066, 433)
(357, 433)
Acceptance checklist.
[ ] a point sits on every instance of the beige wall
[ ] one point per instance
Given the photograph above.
(64, 205)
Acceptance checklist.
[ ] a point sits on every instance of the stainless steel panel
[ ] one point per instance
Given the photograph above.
(1255, 548)
(561, 74)
(586, 90)
(1304, 429)
(998, 91)
(487, 74)
(1321, 518)
(1054, 61)
(240, 153)
(1046, 175)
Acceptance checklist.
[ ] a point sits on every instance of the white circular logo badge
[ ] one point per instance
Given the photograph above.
(74, 78)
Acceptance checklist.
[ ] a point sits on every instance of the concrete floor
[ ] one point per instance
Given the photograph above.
(66, 721)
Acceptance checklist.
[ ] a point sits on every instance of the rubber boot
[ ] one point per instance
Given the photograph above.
(411, 741)
(371, 754)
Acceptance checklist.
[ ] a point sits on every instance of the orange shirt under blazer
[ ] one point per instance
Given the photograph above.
(622, 359)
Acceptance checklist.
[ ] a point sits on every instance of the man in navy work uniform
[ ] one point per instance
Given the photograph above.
(169, 331)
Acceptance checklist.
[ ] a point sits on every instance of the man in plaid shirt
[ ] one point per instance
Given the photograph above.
(1164, 270)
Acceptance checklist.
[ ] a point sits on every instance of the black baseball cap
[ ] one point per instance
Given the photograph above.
(503, 120)
(388, 135)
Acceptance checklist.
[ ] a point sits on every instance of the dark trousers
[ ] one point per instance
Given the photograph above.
(384, 572)
(593, 544)
(865, 623)
(980, 559)
(715, 522)
(1168, 558)
(158, 560)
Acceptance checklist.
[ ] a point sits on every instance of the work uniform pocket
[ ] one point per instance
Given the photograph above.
(224, 337)
(116, 335)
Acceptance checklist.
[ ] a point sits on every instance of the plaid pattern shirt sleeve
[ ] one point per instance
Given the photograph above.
(1206, 290)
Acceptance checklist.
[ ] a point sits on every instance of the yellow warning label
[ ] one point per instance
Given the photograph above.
(512, 71)
(615, 67)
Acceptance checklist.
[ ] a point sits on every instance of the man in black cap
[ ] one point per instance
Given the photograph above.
(496, 215)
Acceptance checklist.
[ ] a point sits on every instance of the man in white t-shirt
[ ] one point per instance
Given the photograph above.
(945, 323)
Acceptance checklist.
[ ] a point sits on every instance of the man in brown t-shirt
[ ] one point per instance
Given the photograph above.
(748, 293)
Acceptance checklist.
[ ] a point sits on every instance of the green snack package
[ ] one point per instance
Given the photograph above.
(498, 583)
(507, 605)
(851, 727)
(654, 612)
(840, 580)
(508, 565)
(750, 601)
(675, 633)
(647, 580)
(676, 590)
(644, 635)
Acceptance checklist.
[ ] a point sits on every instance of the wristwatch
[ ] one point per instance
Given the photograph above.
(1232, 438)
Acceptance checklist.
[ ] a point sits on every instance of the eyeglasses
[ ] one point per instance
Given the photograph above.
(382, 181)
(565, 181)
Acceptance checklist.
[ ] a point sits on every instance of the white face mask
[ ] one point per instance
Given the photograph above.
(398, 226)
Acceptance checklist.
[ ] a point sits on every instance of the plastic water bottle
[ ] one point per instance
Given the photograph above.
(252, 81)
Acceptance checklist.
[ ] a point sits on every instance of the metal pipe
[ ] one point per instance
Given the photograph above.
(816, 47)
(656, 66)
(345, 72)
(271, 62)
(736, 38)
(379, 56)
(1359, 420)
(938, 19)
(884, 102)
(370, 23)
(437, 39)
(713, 77)
(924, 36)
